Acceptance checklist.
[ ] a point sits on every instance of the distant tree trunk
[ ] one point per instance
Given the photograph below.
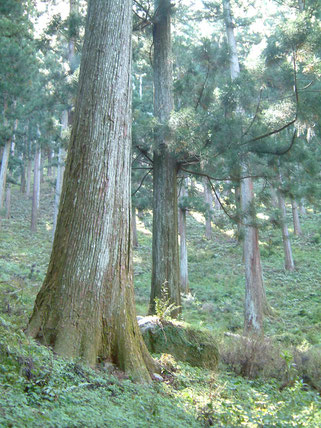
(28, 182)
(49, 157)
(165, 267)
(42, 178)
(59, 181)
(296, 219)
(183, 244)
(288, 258)
(3, 172)
(36, 191)
(134, 226)
(23, 176)
(85, 308)
(208, 197)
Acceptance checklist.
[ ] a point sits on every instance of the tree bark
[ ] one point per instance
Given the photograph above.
(255, 298)
(85, 307)
(183, 243)
(296, 218)
(165, 267)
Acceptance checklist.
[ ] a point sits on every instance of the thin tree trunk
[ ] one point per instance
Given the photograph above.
(165, 267)
(23, 175)
(36, 192)
(255, 298)
(85, 308)
(183, 244)
(49, 157)
(59, 181)
(38, 180)
(296, 219)
(134, 226)
(41, 169)
(28, 182)
(288, 258)
(3, 172)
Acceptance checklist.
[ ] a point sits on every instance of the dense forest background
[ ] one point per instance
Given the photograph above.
(223, 220)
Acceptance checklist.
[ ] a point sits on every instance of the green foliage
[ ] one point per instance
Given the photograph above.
(163, 307)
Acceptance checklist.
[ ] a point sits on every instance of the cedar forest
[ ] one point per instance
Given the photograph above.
(160, 221)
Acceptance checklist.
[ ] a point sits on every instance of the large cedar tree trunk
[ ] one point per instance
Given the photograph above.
(85, 307)
(165, 270)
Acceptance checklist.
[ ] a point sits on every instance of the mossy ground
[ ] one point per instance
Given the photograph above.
(40, 389)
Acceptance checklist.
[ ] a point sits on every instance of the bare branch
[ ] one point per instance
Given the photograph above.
(141, 183)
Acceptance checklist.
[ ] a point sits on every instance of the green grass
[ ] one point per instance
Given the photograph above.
(41, 389)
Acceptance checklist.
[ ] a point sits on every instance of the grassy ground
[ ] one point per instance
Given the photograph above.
(40, 389)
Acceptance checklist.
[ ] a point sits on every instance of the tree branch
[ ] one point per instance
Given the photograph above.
(141, 183)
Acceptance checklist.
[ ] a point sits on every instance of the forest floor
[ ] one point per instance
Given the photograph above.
(274, 383)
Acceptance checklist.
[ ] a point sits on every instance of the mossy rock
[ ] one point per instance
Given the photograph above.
(193, 346)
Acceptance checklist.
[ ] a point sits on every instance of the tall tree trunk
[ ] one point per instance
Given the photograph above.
(296, 219)
(85, 307)
(255, 298)
(208, 197)
(288, 258)
(36, 191)
(183, 244)
(165, 269)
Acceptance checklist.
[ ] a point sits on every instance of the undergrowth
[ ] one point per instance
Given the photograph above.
(270, 383)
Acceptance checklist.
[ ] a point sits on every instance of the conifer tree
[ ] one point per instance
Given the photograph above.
(85, 307)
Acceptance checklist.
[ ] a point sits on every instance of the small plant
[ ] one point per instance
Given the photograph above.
(163, 307)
